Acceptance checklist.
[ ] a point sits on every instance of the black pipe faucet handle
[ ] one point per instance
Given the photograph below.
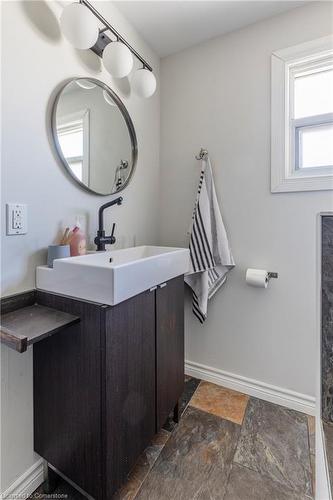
(113, 239)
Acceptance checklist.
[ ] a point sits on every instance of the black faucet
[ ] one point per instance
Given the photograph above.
(101, 240)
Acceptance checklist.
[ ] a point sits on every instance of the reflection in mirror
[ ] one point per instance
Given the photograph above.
(94, 136)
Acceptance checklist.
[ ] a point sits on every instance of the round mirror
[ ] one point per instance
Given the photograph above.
(94, 136)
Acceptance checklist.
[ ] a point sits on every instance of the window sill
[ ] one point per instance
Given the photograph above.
(303, 182)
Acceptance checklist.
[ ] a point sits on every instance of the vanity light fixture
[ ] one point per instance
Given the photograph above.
(82, 31)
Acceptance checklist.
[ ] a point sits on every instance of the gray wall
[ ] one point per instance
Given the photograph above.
(217, 95)
(35, 60)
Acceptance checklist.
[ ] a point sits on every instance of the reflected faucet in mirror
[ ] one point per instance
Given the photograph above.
(120, 176)
(101, 240)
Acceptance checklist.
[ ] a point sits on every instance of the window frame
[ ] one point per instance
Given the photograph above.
(285, 65)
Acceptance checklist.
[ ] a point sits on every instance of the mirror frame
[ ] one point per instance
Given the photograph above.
(125, 114)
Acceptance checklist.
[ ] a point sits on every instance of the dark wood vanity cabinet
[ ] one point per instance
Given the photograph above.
(105, 386)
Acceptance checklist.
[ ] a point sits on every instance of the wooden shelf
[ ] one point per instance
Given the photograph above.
(28, 325)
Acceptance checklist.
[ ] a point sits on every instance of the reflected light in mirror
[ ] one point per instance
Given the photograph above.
(85, 84)
(108, 98)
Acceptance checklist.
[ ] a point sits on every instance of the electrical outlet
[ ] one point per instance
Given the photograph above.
(16, 218)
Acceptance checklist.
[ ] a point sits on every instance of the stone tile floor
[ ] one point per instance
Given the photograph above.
(227, 446)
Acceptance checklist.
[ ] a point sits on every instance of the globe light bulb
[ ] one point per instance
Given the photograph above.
(117, 59)
(143, 83)
(79, 26)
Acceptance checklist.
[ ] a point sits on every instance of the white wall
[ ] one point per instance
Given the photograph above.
(217, 95)
(35, 60)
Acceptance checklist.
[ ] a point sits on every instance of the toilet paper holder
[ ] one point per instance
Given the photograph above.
(259, 277)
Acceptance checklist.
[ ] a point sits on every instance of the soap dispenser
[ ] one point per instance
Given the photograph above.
(78, 240)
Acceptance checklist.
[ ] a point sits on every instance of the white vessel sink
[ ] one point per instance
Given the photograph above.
(111, 277)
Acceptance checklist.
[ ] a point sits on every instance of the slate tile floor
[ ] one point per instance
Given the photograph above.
(227, 446)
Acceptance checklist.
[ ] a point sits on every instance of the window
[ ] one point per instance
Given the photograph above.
(71, 142)
(73, 136)
(302, 117)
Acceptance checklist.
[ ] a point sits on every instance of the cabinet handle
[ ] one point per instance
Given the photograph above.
(153, 288)
(162, 285)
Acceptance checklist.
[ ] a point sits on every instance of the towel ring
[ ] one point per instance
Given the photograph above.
(203, 154)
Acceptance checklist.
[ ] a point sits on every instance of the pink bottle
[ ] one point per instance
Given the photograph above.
(78, 241)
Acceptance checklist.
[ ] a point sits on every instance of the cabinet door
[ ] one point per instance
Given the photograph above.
(169, 347)
(67, 395)
(130, 385)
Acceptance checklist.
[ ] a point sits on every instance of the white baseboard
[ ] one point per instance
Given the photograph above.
(27, 483)
(255, 388)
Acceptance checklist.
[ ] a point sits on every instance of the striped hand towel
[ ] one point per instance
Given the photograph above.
(210, 253)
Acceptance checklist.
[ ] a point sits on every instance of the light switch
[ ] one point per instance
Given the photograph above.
(17, 218)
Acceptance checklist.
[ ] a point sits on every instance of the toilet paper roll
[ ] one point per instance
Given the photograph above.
(257, 277)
